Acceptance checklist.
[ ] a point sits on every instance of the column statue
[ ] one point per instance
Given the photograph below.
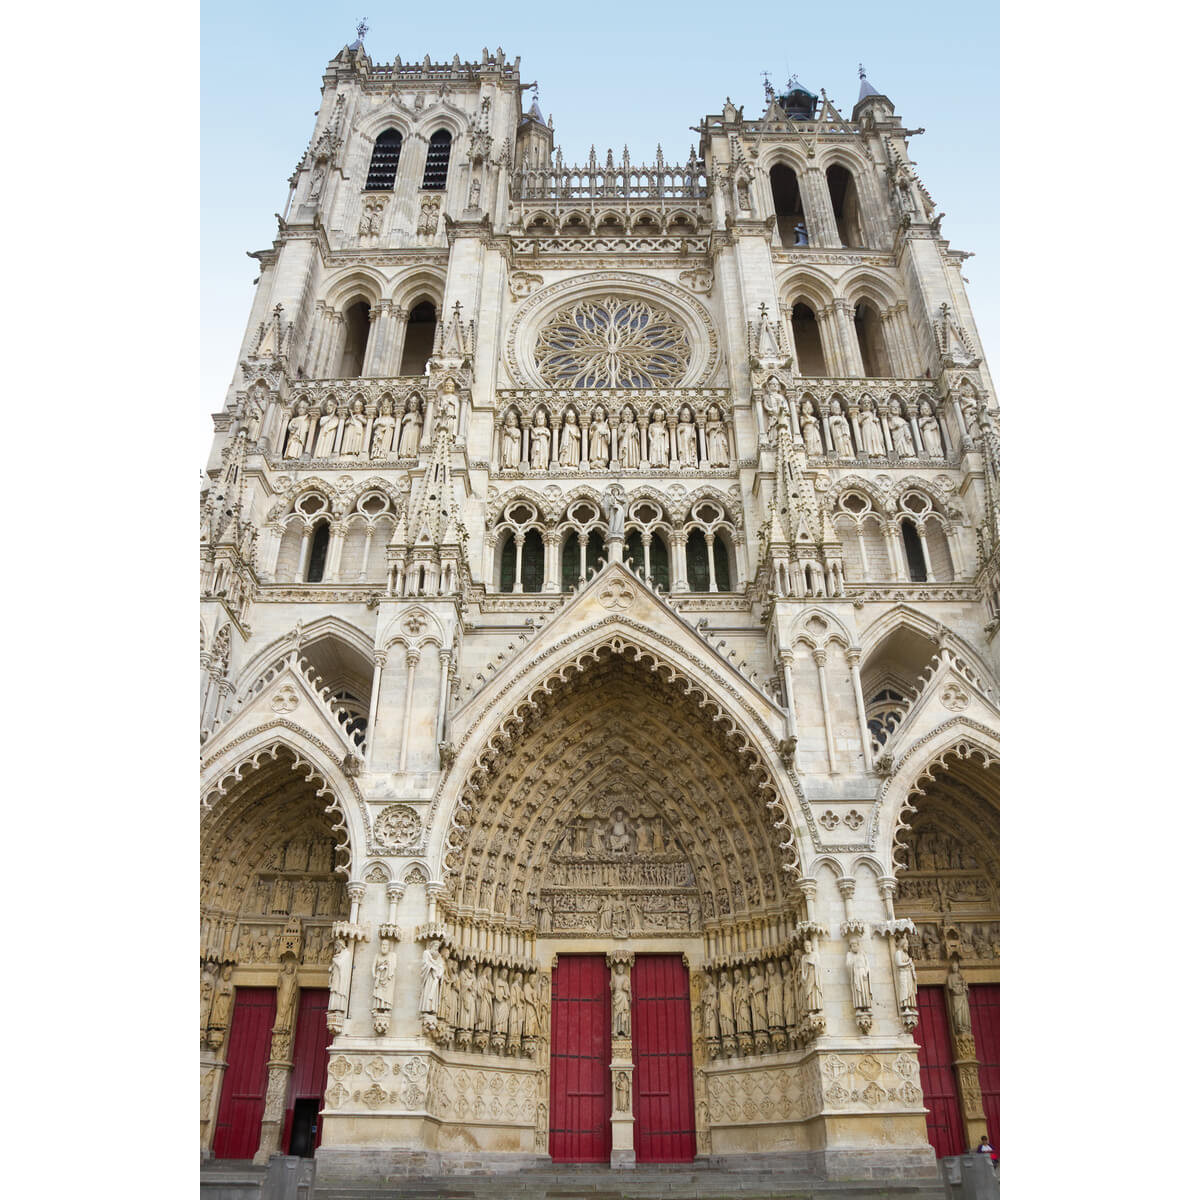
(533, 1024)
(465, 1020)
(859, 968)
(659, 439)
(326, 430)
(629, 451)
(758, 997)
(774, 995)
(622, 1002)
(872, 431)
(901, 434)
(339, 977)
(811, 998)
(718, 440)
(297, 431)
(906, 975)
(433, 969)
(510, 443)
(569, 440)
(356, 428)
(709, 1008)
(600, 440)
(725, 1004)
(614, 510)
(931, 435)
(500, 1003)
(960, 1006)
(381, 434)
(539, 443)
(839, 428)
(685, 436)
(810, 430)
(741, 1002)
(286, 995)
(410, 429)
(383, 976)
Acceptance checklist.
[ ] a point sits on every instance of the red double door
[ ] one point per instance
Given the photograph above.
(244, 1089)
(935, 1053)
(580, 1057)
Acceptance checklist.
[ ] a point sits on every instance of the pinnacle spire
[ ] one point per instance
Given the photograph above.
(866, 87)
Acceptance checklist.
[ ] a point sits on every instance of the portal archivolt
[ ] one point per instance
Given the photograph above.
(621, 803)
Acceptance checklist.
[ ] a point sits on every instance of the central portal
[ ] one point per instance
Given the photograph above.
(583, 1057)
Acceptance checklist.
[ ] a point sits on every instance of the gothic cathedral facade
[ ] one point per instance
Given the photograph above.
(599, 650)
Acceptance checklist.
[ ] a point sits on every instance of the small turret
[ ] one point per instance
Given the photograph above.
(872, 104)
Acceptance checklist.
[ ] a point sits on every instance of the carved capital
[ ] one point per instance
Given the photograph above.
(845, 886)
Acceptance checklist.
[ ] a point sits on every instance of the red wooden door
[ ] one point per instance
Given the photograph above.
(310, 1058)
(935, 1053)
(244, 1090)
(664, 1121)
(985, 1024)
(580, 1054)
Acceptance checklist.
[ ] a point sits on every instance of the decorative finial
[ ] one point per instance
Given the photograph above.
(767, 86)
(362, 28)
(861, 73)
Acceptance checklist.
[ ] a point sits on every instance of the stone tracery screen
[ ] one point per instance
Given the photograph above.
(612, 343)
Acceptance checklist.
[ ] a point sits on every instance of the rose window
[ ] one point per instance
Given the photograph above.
(612, 343)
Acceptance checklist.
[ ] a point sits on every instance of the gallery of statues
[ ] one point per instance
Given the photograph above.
(599, 649)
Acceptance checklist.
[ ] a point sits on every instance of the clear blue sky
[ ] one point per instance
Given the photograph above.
(605, 83)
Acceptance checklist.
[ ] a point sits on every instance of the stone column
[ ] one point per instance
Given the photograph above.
(411, 658)
(380, 663)
(552, 579)
(443, 696)
(853, 657)
(279, 1064)
(966, 1066)
(819, 659)
(621, 1068)
(787, 659)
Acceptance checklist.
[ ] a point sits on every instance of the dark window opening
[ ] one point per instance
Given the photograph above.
(789, 208)
(385, 159)
(868, 329)
(635, 559)
(317, 553)
(437, 162)
(593, 561)
(533, 562)
(810, 357)
(912, 551)
(696, 554)
(357, 320)
(418, 339)
(304, 1126)
(843, 196)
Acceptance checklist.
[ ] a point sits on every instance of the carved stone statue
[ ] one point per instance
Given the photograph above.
(741, 1002)
(725, 1004)
(811, 998)
(718, 439)
(410, 429)
(381, 433)
(960, 1007)
(206, 996)
(839, 429)
(859, 968)
(810, 430)
(620, 841)
(483, 1006)
(339, 977)
(931, 435)
(906, 975)
(510, 443)
(629, 450)
(685, 436)
(872, 432)
(659, 439)
(539, 443)
(516, 1010)
(254, 420)
(709, 1008)
(326, 430)
(622, 1088)
(383, 977)
(569, 439)
(901, 434)
(297, 433)
(500, 1002)
(286, 995)
(356, 427)
(433, 968)
(614, 510)
(774, 996)
(600, 437)
(533, 1023)
(223, 1001)
(466, 996)
(758, 997)
(622, 1002)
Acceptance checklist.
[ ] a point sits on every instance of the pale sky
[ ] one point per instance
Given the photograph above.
(605, 82)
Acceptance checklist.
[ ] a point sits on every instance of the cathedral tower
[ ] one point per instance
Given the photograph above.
(599, 574)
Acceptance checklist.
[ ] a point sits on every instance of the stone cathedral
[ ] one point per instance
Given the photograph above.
(599, 650)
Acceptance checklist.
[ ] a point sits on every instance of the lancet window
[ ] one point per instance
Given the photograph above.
(437, 162)
(418, 339)
(521, 561)
(789, 207)
(860, 527)
(843, 195)
(385, 159)
(582, 540)
(357, 324)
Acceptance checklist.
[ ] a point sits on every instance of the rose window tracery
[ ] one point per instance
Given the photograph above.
(612, 343)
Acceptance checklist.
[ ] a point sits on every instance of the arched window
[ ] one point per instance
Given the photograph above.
(385, 158)
(884, 713)
(357, 318)
(593, 557)
(912, 551)
(317, 552)
(437, 162)
(810, 356)
(532, 559)
(789, 208)
(868, 328)
(637, 552)
(418, 339)
(843, 195)
(697, 563)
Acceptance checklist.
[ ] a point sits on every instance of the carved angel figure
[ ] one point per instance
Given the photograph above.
(410, 429)
(685, 436)
(510, 443)
(601, 440)
(326, 430)
(569, 441)
(539, 443)
(718, 440)
(433, 968)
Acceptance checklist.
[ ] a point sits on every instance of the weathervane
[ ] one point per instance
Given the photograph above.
(362, 28)
(767, 87)
(861, 73)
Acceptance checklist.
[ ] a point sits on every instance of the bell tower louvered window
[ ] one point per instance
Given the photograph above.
(437, 162)
(385, 158)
